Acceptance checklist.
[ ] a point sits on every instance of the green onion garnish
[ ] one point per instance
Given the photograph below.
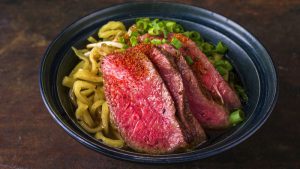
(142, 23)
(221, 70)
(146, 40)
(241, 92)
(207, 48)
(217, 57)
(170, 25)
(92, 39)
(157, 27)
(153, 31)
(220, 48)
(189, 60)
(176, 43)
(236, 117)
(194, 35)
(178, 28)
(133, 40)
(223, 63)
(121, 40)
(134, 34)
(156, 41)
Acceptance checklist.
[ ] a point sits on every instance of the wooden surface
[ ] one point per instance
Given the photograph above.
(29, 137)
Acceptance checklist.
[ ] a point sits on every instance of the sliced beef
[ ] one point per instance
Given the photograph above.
(140, 103)
(207, 75)
(209, 113)
(167, 68)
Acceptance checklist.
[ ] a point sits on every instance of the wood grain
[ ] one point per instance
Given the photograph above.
(29, 138)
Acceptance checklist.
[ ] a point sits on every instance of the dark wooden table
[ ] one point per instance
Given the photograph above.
(29, 137)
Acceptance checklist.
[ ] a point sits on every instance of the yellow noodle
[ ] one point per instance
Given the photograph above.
(80, 55)
(112, 25)
(86, 88)
(87, 92)
(95, 106)
(117, 134)
(68, 81)
(94, 56)
(108, 141)
(111, 30)
(78, 86)
(80, 109)
(99, 94)
(105, 117)
(90, 99)
(72, 97)
(87, 75)
(106, 49)
(89, 129)
(76, 68)
(111, 34)
(86, 117)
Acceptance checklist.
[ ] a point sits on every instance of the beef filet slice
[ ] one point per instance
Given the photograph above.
(207, 75)
(210, 114)
(140, 104)
(167, 68)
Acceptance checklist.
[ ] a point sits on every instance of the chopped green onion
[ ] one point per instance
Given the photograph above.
(157, 27)
(221, 70)
(142, 23)
(176, 43)
(178, 28)
(236, 117)
(125, 46)
(92, 39)
(223, 63)
(165, 32)
(227, 65)
(207, 48)
(134, 34)
(187, 34)
(199, 43)
(156, 41)
(146, 40)
(121, 40)
(153, 31)
(241, 92)
(163, 41)
(220, 48)
(170, 25)
(133, 40)
(189, 60)
(217, 57)
(195, 36)
(226, 77)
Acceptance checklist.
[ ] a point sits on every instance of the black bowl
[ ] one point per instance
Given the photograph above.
(249, 58)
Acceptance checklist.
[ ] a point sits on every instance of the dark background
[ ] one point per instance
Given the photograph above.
(29, 137)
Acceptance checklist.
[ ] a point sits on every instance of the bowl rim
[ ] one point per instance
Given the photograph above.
(179, 158)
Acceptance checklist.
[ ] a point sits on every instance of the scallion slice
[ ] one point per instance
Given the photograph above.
(189, 60)
(220, 48)
(133, 40)
(176, 43)
(146, 40)
(236, 117)
(156, 41)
